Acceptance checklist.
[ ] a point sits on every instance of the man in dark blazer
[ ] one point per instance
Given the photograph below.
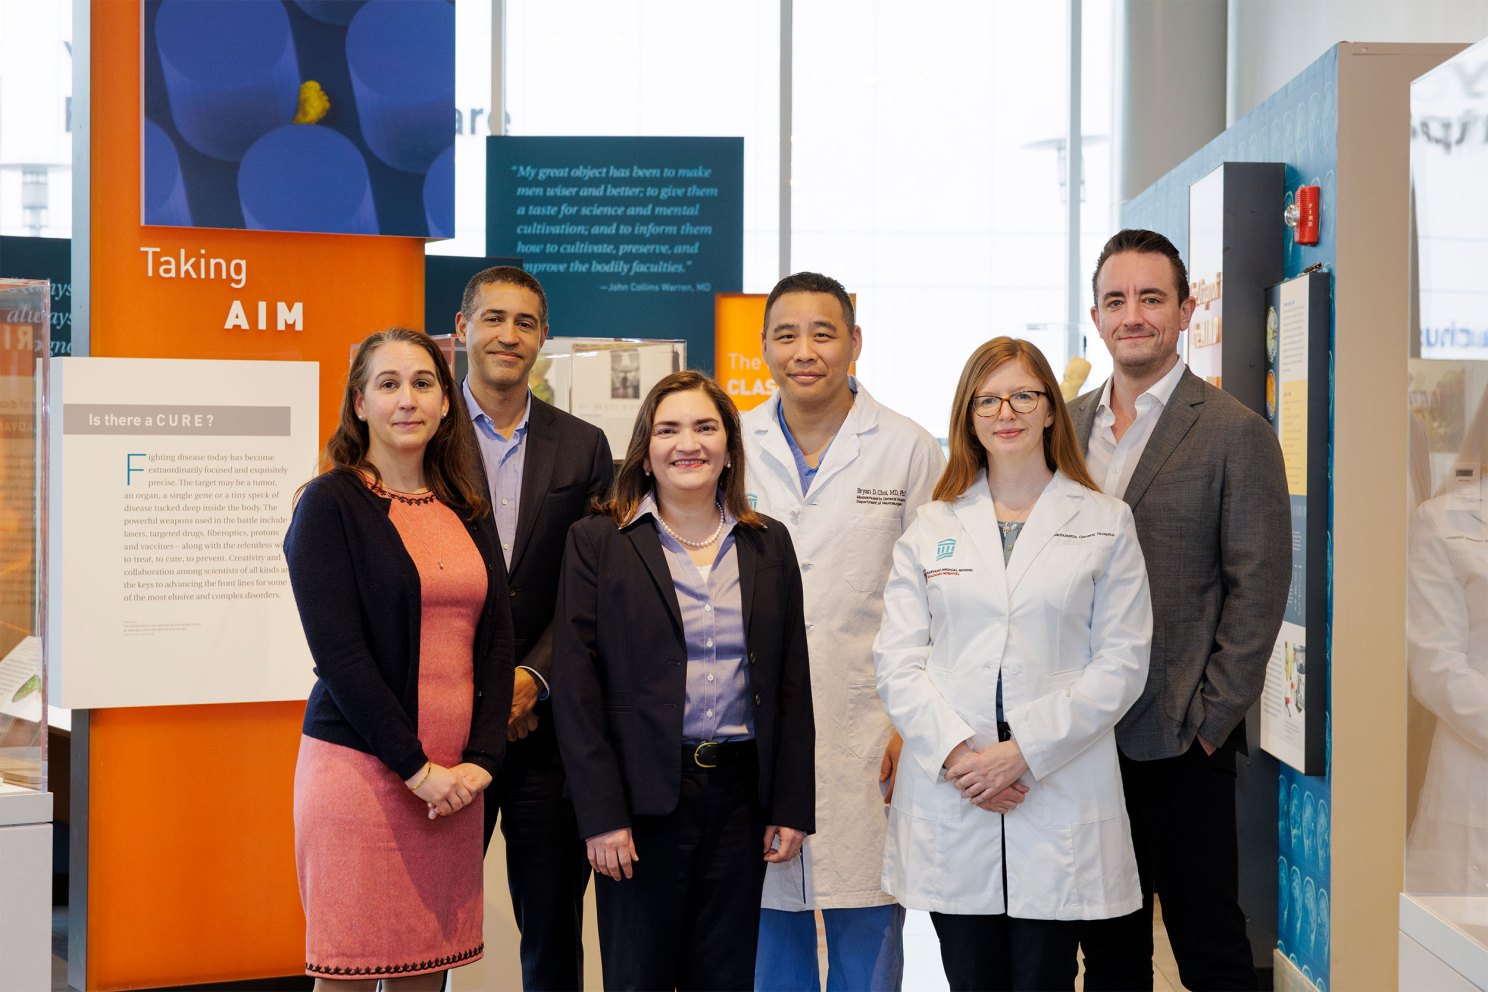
(544, 467)
(1204, 478)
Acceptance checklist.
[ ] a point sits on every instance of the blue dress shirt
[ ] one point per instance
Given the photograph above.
(719, 704)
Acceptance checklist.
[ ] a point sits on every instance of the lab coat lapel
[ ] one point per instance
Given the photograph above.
(978, 518)
(1172, 424)
(847, 445)
(1059, 501)
(647, 542)
(776, 451)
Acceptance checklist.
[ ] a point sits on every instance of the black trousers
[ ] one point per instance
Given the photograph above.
(689, 916)
(546, 869)
(1003, 953)
(1183, 827)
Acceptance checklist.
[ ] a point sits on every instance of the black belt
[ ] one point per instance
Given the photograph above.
(717, 754)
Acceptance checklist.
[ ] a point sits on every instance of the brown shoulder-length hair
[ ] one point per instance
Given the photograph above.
(451, 464)
(631, 482)
(1061, 450)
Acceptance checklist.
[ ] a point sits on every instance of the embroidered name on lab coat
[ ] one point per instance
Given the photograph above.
(880, 497)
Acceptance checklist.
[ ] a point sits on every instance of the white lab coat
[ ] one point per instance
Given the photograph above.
(1446, 627)
(877, 472)
(1069, 623)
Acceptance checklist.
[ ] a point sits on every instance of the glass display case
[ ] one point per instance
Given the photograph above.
(24, 324)
(1444, 910)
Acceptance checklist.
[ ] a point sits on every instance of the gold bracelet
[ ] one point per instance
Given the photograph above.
(428, 770)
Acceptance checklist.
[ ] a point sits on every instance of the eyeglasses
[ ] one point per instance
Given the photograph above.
(988, 405)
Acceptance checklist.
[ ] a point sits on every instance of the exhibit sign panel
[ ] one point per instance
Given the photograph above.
(1293, 704)
(1234, 255)
(631, 237)
(173, 482)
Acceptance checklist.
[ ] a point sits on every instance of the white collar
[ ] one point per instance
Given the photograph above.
(1161, 390)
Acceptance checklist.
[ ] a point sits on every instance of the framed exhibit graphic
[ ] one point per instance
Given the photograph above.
(299, 116)
(173, 482)
(1294, 703)
(1234, 254)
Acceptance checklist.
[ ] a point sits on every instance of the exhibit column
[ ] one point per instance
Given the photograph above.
(169, 890)
(1172, 86)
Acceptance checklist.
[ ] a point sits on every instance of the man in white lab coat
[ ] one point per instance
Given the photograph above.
(846, 475)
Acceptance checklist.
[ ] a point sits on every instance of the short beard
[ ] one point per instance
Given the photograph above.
(1155, 366)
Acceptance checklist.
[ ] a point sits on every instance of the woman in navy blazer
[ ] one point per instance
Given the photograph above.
(682, 699)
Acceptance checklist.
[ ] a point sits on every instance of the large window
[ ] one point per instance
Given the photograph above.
(927, 152)
(663, 68)
(35, 119)
(928, 175)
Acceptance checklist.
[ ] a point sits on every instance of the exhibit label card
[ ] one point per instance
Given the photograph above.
(173, 482)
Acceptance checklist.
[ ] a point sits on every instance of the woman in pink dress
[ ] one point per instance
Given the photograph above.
(400, 584)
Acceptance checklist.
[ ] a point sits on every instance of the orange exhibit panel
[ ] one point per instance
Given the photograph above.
(737, 321)
(190, 858)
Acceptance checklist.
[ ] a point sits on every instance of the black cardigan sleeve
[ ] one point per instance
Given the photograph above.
(495, 658)
(323, 577)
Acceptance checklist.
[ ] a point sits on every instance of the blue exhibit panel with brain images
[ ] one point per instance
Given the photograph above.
(1298, 126)
(329, 116)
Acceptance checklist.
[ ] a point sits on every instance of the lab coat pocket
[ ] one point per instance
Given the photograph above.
(868, 553)
(926, 799)
(866, 726)
(1086, 789)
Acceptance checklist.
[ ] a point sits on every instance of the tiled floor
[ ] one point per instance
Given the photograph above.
(922, 969)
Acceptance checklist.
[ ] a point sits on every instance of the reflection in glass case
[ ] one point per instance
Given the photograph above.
(1445, 905)
(24, 323)
(1447, 627)
(602, 380)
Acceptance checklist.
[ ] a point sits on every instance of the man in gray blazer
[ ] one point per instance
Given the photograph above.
(1204, 478)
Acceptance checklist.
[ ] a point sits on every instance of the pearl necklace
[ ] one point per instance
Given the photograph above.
(694, 544)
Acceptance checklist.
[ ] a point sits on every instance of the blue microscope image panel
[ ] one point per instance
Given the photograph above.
(333, 116)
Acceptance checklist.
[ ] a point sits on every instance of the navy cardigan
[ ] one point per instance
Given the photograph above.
(358, 595)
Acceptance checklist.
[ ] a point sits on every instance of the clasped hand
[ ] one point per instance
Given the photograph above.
(449, 790)
(988, 778)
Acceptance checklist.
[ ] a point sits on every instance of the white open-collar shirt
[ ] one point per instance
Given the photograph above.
(1112, 462)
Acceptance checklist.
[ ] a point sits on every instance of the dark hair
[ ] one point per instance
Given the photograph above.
(812, 282)
(451, 465)
(508, 275)
(968, 456)
(1134, 239)
(631, 482)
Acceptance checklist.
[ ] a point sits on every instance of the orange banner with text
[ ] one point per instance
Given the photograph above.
(737, 321)
(191, 874)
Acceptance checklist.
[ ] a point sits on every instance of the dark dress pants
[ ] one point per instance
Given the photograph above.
(1183, 827)
(689, 916)
(546, 868)
(1003, 953)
